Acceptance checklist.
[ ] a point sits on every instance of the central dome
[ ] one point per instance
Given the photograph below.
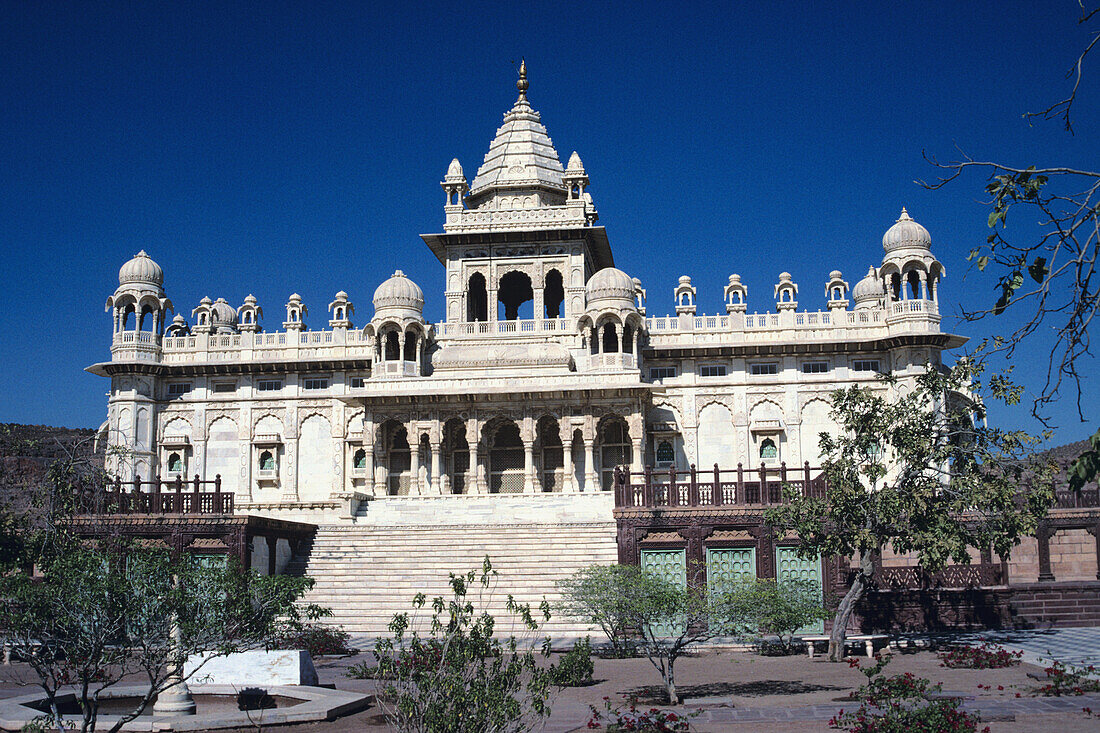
(610, 284)
(906, 233)
(142, 270)
(399, 292)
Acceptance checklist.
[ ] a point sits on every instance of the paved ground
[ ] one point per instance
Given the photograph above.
(740, 691)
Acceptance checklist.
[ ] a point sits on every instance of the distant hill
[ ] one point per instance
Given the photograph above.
(26, 452)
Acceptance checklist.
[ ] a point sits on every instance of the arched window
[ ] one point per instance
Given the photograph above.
(628, 339)
(477, 300)
(267, 461)
(400, 462)
(913, 279)
(768, 449)
(410, 345)
(506, 461)
(895, 285)
(553, 294)
(359, 460)
(126, 317)
(665, 455)
(175, 463)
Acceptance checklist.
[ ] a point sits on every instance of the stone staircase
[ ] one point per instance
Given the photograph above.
(366, 573)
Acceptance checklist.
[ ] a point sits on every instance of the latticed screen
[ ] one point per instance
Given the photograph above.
(670, 565)
(460, 464)
(507, 470)
(789, 566)
(615, 451)
(727, 567)
(400, 476)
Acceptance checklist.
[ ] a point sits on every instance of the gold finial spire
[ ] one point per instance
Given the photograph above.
(521, 83)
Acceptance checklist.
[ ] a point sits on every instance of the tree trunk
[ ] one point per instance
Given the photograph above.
(670, 683)
(847, 606)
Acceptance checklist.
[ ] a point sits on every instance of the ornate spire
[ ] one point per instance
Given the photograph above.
(904, 215)
(521, 83)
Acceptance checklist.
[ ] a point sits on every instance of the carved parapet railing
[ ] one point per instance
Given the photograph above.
(177, 496)
(714, 487)
(953, 576)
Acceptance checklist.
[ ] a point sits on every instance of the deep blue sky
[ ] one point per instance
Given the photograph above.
(271, 148)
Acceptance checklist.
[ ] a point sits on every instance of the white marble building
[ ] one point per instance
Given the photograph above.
(549, 370)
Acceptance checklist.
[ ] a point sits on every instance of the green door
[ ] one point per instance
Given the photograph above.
(672, 566)
(788, 565)
(726, 567)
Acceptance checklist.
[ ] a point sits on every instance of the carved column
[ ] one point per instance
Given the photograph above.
(568, 480)
(437, 469)
(414, 463)
(591, 480)
(528, 465)
(540, 308)
(472, 471)
(289, 470)
(1042, 536)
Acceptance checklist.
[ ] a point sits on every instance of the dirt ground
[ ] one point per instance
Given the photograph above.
(739, 680)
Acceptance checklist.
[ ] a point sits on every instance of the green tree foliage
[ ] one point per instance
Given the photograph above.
(918, 473)
(575, 667)
(662, 619)
(448, 673)
(99, 612)
(779, 608)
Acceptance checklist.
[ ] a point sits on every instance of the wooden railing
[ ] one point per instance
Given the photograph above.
(1087, 498)
(175, 496)
(714, 487)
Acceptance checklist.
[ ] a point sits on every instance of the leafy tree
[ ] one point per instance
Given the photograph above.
(99, 612)
(664, 618)
(780, 608)
(1046, 276)
(597, 595)
(448, 673)
(917, 473)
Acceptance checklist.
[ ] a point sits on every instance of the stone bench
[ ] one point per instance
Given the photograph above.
(867, 640)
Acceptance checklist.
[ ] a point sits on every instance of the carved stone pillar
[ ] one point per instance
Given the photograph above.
(568, 479)
(591, 480)
(437, 469)
(289, 470)
(414, 464)
(368, 467)
(1042, 535)
(528, 465)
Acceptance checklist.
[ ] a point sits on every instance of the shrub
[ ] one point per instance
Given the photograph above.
(779, 608)
(449, 674)
(900, 704)
(1067, 680)
(575, 667)
(628, 718)
(316, 639)
(983, 656)
(599, 594)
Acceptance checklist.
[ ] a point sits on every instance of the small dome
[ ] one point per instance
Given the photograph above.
(784, 276)
(141, 269)
(250, 299)
(223, 317)
(575, 163)
(399, 292)
(206, 300)
(906, 233)
(610, 284)
(295, 298)
(454, 170)
(867, 289)
(735, 279)
(836, 275)
(341, 295)
(685, 280)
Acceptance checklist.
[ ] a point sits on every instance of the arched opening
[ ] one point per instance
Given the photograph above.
(393, 346)
(126, 316)
(175, 463)
(628, 339)
(610, 340)
(895, 285)
(477, 299)
(267, 461)
(615, 449)
(359, 460)
(515, 290)
(410, 345)
(147, 322)
(593, 341)
(550, 453)
(399, 461)
(202, 319)
(553, 294)
(456, 455)
(913, 280)
(506, 460)
(294, 316)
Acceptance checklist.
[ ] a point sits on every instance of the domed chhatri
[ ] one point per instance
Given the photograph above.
(868, 289)
(454, 171)
(575, 163)
(399, 292)
(906, 233)
(610, 283)
(141, 269)
(223, 317)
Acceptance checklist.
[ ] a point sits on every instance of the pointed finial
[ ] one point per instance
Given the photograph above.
(521, 83)
(904, 215)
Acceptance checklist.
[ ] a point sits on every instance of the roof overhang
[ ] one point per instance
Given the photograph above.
(112, 368)
(806, 348)
(594, 237)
